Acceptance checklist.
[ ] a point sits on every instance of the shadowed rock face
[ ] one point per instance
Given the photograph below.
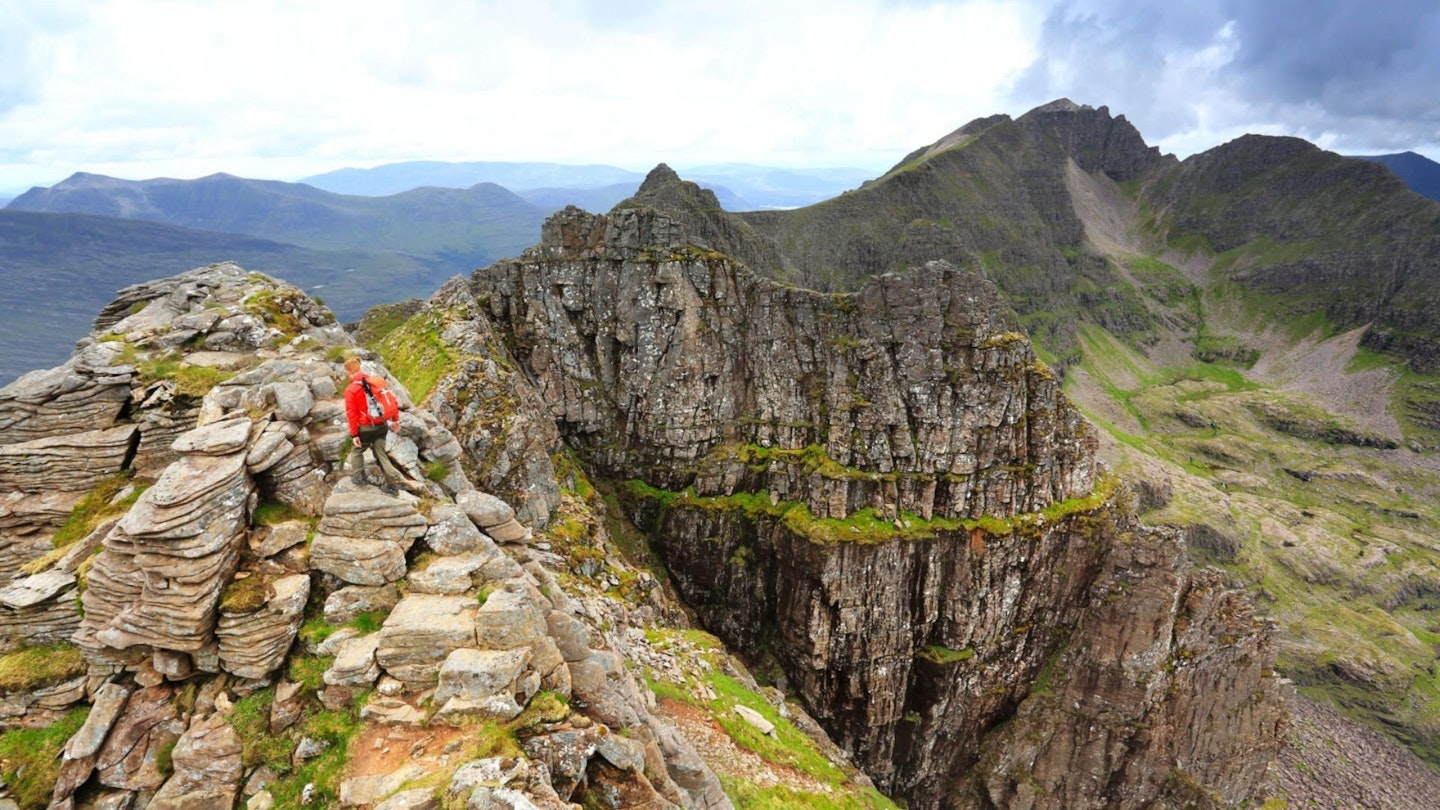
(665, 361)
(762, 419)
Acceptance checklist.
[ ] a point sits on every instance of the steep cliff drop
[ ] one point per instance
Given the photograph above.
(886, 493)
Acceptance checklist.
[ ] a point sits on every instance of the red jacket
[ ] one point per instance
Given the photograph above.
(357, 410)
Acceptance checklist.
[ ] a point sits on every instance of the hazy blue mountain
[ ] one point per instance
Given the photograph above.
(393, 178)
(771, 187)
(465, 227)
(60, 269)
(1420, 173)
(595, 200)
(739, 186)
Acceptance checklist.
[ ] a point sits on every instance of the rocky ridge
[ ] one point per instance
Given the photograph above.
(196, 588)
(886, 493)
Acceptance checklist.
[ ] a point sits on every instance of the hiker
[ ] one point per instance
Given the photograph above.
(368, 426)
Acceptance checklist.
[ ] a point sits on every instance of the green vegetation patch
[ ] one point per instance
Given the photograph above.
(747, 795)
(788, 748)
(937, 654)
(251, 720)
(869, 526)
(30, 758)
(276, 307)
(190, 381)
(247, 594)
(98, 505)
(273, 514)
(36, 667)
(381, 320)
(413, 352)
(335, 728)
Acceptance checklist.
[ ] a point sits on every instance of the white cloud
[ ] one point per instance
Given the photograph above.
(270, 88)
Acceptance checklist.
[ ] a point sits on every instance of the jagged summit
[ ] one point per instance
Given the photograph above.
(664, 189)
(658, 177)
(1064, 105)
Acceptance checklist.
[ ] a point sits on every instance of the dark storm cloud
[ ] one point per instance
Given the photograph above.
(1355, 73)
(1371, 59)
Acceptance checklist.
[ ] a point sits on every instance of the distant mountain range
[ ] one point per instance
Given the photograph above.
(80, 240)
(738, 186)
(334, 237)
(60, 268)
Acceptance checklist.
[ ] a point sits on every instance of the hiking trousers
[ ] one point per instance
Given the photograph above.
(372, 438)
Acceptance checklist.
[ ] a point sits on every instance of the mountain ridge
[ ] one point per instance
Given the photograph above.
(1159, 288)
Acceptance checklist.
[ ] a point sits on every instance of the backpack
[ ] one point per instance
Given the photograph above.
(381, 404)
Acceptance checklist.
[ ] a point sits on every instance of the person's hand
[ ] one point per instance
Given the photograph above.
(355, 440)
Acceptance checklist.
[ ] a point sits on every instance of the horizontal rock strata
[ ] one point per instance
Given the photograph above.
(73, 462)
(175, 550)
(252, 645)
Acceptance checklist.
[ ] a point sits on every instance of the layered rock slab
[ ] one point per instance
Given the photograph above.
(158, 581)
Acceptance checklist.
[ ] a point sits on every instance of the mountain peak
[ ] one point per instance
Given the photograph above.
(660, 176)
(1060, 105)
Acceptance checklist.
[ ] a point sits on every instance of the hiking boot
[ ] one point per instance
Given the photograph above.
(389, 489)
(358, 478)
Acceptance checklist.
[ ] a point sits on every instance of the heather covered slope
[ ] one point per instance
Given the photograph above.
(993, 193)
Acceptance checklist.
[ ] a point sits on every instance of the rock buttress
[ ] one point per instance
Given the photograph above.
(885, 490)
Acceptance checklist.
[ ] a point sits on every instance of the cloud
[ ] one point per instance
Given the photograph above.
(272, 88)
(233, 86)
(1347, 75)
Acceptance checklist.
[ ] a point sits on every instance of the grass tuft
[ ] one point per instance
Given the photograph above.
(30, 758)
(36, 667)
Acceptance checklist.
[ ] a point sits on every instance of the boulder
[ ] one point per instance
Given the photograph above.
(221, 438)
(73, 462)
(267, 541)
(351, 601)
(84, 394)
(358, 560)
(508, 620)
(452, 532)
(129, 758)
(487, 683)
(175, 550)
(454, 575)
(364, 535)
(484, 509)
(421, 632)
(252, 645)
(207, 768)
(355, 663)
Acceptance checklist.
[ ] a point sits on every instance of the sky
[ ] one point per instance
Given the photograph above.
(284, 89)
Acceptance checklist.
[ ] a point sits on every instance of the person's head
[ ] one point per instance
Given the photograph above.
(352, 365)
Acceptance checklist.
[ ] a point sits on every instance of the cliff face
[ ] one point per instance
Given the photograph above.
(659, 356)
(886, 492)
